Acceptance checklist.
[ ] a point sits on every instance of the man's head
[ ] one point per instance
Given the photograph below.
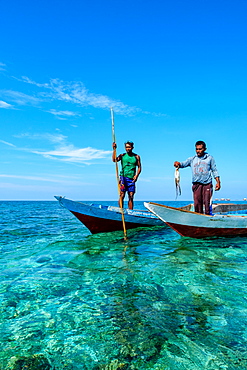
(129, 145)
(200, 148)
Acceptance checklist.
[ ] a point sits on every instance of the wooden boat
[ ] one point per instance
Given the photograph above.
(224, 221)
(100, 218)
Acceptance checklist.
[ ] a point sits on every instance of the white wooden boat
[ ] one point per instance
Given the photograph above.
(195, 225)
(102, 218)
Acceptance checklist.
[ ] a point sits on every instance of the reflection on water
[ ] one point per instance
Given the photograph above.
(71, 300)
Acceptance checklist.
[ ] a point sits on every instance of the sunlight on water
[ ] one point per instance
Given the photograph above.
(71, 300)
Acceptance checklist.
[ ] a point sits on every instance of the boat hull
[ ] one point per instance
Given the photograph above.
(101, 225)
(204, 232)
(195, 225)
(99, 219)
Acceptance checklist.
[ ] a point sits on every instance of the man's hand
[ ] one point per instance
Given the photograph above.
(176, 164)
(217, 185)
(114, 158)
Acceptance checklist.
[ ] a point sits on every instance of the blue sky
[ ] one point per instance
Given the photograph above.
(174, 72)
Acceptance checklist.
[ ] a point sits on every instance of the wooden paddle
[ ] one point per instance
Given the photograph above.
(118, 184)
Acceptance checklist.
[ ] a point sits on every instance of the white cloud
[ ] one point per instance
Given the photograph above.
(58, 138)
(74, 155)
(28, 80)
(6, 143)
(76, 92)
(64, 151)
(39, 178)
(73, 92)
(20, 98)
(63, 113)
(5, 105)
(2, 66)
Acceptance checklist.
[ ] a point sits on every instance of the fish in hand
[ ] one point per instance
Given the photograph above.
(177, 182)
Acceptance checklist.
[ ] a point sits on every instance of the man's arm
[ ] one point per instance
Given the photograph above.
(184, 163)
(217, 185)
(215, 174)
(139, 168)
(114, 157)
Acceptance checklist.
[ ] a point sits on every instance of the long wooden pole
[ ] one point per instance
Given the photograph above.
(115, 156)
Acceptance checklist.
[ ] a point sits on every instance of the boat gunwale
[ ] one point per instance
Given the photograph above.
(196, 213)
(178, 209)
(117, 209)
(91, 214)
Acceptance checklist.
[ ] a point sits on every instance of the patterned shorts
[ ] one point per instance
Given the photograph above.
(127, 184)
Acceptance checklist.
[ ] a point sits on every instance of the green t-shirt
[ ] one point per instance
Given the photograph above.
(129, 163)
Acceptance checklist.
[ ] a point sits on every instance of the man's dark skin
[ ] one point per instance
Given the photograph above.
(129, 149)
(200, 150)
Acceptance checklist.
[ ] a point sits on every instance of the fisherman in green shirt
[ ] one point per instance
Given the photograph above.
(128, 175)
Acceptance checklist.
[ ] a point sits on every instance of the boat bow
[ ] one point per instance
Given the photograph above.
(100, 218)
(197, 225)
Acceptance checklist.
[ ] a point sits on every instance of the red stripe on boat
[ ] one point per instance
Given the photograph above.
(100, 225)
(202, 232)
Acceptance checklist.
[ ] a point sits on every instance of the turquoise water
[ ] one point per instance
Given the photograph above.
(71, 300)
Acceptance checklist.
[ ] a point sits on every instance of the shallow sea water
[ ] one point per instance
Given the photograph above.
(71, 300)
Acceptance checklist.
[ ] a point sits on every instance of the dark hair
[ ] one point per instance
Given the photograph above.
(200, 142)
(130, 143)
